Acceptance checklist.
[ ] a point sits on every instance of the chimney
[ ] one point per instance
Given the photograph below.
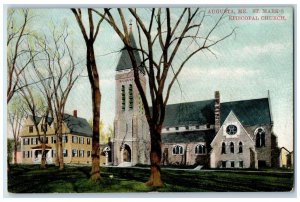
(75, 113)
(217, 111)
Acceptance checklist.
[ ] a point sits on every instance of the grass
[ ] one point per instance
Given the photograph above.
(30, 179)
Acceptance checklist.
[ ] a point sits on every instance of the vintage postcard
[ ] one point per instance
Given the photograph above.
(164, 99)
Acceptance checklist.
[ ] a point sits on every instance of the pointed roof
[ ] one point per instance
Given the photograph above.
(249, 112)
(76, 125)
(189, 113)
(124, 61)
(38, 119)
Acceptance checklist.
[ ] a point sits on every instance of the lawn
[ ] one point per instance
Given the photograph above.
(30, 179)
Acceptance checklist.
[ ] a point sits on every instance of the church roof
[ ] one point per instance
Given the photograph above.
(189, 113)
(249, 112)
(188, 136)
(125, 62)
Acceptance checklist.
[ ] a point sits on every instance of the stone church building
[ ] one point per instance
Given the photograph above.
(209, 133)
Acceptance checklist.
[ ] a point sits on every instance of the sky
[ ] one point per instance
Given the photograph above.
(258, 58)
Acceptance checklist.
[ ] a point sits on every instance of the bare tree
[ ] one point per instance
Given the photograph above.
(17, 58)
(162, 39)
(90, 34)
(57, 76)
(36, 108)
(16, 114)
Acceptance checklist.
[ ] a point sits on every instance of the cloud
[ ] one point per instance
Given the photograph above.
(218, 73)
(263, 49)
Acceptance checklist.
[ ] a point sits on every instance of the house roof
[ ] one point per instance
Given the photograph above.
(77, 126)
(188, 136)
(38, 119)
(249, 112)
(125, 62)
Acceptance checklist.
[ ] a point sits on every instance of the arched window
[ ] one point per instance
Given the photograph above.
(223, 148)
(130, 97)
(178, 149)
(231, 147)
(200, 149)
(123, 97)
(260, 138)
(240, 147)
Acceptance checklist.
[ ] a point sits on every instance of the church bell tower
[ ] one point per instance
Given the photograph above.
(131, 139)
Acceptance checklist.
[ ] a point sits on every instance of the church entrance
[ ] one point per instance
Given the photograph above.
(126, 154)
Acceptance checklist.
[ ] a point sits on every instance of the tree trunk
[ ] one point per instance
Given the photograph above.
(15, 152)
(95, 173)
(155, 159)
(43, 160)
(96, 99)
(61, 153)
(57, 152)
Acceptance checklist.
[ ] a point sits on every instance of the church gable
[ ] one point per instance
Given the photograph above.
(232, 147)
(231, 129)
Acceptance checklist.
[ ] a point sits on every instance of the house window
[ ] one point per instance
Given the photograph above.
(231, 147)
(178, 150)
(34, 141)
(23, 154)
(81, 153)
(88, 140)
(27, 154)
(130, 97)
(123, 97)
(167, 129)
(223, 164)
(81, 140)
(223, 148)
(176, 128)
(65, 139)
(197, 126)
(200, 149)
(186, 127)
(53, 153)
(74, 139)
(30, 129)
(260, 138)
(232, 164)
(74, 153)
(88, 153)
(26, 141)
(241, 164)
(65, 152)
(240, 147)
(53, 139)
(31, 141)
